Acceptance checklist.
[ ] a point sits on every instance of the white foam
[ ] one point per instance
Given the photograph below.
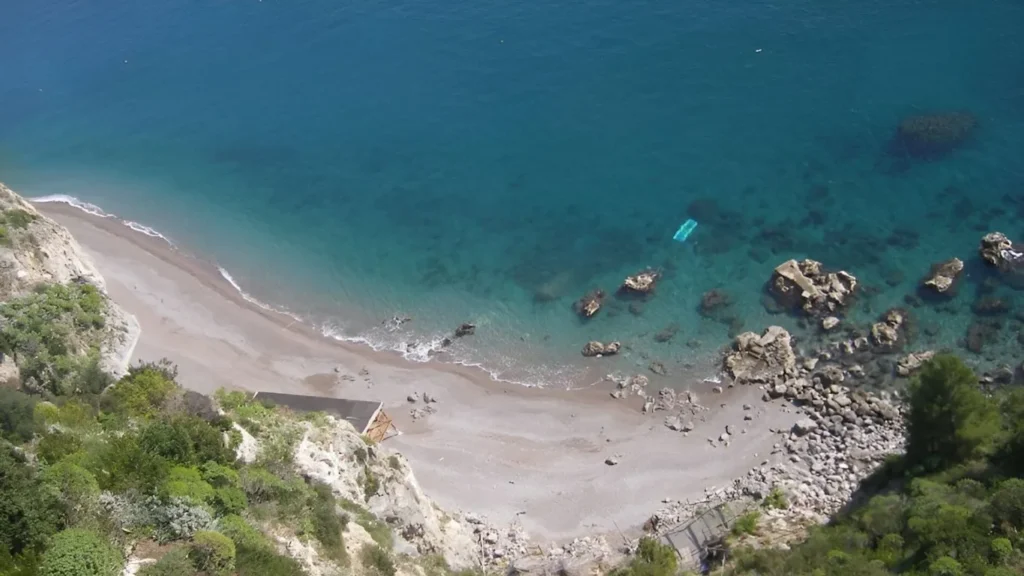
(253, 300)
(142, 228)
(74, 202)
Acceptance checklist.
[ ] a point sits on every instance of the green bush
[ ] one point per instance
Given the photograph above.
(229, 500)
(945, 566)
(377, 560)
(77, 552)
(263, 561)
(213, 553)
(187, 484)
(220, 476)
(28, 513)
(174, 563)
(747, 523)
(17, 416)
(168, 441)
(76, 489)
(1002, 550)
(327, 523)
(371, 485)
(950, 421)
(142, 393)
(241, 532)
(53, 447)
(652, 558)
(776, 499)
(121, 464)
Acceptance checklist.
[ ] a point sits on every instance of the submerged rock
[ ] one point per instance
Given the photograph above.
(806, 286)
(943, 276)
(912, 362)
(933, 135)
(595, 348)
(465, 329)
(641, 282)
(761, 358)
(589, 304)
(713, 302)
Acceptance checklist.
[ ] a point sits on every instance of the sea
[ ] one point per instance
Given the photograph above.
(451, 161)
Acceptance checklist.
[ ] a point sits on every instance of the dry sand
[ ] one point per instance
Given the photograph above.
(505, 452)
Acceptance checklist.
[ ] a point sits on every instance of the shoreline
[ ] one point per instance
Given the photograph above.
(474, 453)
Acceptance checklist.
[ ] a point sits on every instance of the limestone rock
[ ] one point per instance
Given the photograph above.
(641, 282)
(761, 359)
(806, 286)
(886, 332)
(912, 362)
(997, 250)
(595, 348)
(805, 426)
(829, 322)
(589, 304)
(944, 275)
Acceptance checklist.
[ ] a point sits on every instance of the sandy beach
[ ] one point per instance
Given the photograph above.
(505, 452)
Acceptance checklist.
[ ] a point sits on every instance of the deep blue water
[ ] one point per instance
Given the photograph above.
(450, 160)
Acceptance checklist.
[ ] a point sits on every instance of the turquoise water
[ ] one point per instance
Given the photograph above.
(492, 161)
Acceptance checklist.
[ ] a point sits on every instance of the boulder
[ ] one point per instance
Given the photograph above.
(829, 322)
(886, 332)
(933, 135)
(595, 348)
(997, 250)
(465, 329)
(761, 359)
(641, 282)
(943, 276)
(589, 304)
(806, 286)
(804, 427)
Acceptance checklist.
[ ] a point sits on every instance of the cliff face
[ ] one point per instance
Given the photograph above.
(35, 250)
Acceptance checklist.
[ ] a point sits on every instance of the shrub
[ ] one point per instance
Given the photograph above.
(18, 218)
(371, 485)
(142, 393)
(243, 534)
(219, 475)
(122, 464)
(229, 500)
(76, 490)
(174, 563)
(178, 519)
(54, 446)
(776, 499)
(945, 566)
(327, 523)
(187, 484)
(379, 531)
(168, 441)
(950, 420)
(262, 561)
(28, 513)
(747, 523)
(652, 558)
(77, 552)
(213, 553)
(1002, 550)
(1008, 503)
(377, 560)
(17, 415)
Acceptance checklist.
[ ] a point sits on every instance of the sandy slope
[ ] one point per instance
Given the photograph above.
(504, 452)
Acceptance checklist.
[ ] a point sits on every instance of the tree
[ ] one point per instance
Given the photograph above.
(77, 552)
(76, 490)
(122, 464)
(17, 420)
(142, 392)
(950, 420)
(28, 514)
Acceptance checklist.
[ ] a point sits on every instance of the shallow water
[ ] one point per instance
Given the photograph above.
(493, 161)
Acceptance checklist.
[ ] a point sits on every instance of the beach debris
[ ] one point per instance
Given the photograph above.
(943, 276)
(465, 329)
(933, 135)
(912, 362)
(641, 282)
(806, 286)
(597, 349)
(611, 461)
(590, 303)
(685, 230)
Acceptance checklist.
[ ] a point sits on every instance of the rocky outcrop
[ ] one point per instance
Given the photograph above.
(36, 250)
(999, 252)
(589, 304)
(943, 277)
(886, 332)
(933, 135)
(336, 455)
(595, 348)
(912, 362)
(641, 282)
(761, 358)
(806, 286)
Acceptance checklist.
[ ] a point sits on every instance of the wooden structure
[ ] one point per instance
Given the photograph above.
(366, 416)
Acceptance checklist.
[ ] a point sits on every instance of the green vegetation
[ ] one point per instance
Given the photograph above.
(954, 505)
(747, 523)
(53, 335)
(652, 558)
(377, 560)
(212, 553)
(78, 552)
(776, 499)
(17, 218)
(174, 563)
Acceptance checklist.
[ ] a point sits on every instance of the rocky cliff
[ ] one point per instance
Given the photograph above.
(35, 250)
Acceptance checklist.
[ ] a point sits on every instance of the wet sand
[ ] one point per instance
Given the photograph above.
(503, 451)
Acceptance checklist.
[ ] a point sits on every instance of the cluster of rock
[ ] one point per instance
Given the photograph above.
(423, 411)
(933, 135)
(598, 349)
(641, 283)
(806, 286)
